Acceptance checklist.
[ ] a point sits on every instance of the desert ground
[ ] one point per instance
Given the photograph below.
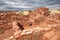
(38, 24)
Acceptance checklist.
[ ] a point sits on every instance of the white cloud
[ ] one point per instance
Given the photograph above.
(29, 4)
(12, 3)
(22, 6)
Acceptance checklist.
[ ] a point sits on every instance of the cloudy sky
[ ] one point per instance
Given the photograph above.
(28, 4)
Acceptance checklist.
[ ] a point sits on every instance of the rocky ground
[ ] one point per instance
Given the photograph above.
(38, 24)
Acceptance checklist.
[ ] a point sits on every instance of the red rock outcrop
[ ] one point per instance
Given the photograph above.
(37, 25)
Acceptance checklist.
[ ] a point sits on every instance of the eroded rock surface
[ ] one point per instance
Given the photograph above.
(37, 25)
